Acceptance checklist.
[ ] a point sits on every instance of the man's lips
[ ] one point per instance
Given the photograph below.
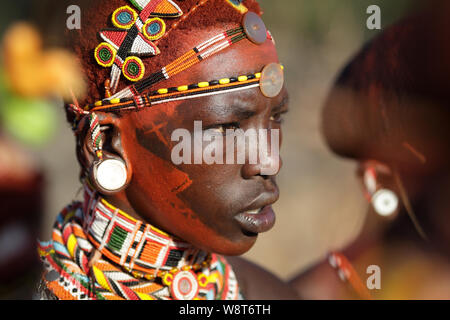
(259, 216)
(256, 221)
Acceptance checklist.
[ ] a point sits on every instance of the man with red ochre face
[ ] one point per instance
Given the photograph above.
(154, 67)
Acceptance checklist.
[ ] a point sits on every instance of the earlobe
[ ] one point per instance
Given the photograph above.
(384, 201)
(104, 157)
(109, 175)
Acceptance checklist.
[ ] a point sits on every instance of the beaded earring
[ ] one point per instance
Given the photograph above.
(110, 175)
(384, 201)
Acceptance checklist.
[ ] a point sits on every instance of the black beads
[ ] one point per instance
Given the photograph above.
(254, 28)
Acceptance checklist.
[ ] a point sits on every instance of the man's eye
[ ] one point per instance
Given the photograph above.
(278, 117)
(222, 128)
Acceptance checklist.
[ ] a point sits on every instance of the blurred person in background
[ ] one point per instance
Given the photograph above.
(31, 77)
(24, 122)
(389, 110)
(21, 207)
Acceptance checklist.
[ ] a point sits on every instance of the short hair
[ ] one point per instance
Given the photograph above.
(390, 102)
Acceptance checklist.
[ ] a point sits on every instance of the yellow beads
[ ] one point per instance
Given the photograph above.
(163, 91)
(203, 84)
(182, 88)
(167, 279)
(224, 81)
(149, 277)
(242, 78)
(167, 276)
(202, 280)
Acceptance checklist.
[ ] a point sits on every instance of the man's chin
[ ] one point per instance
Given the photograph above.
(236, 248)
(227, 247)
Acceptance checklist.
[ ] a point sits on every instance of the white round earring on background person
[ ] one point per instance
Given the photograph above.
(385, 202)
(111, 174)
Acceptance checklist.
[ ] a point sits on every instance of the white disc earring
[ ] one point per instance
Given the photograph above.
(111, 174)
(385, 202)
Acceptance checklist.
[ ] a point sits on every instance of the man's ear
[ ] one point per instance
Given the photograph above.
(111, 150)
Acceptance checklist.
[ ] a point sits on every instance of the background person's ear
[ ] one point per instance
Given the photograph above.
(379, 187)
(110, 172)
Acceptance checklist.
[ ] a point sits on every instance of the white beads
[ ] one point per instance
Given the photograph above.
(385, 202)
(184, 286)
(111, 174)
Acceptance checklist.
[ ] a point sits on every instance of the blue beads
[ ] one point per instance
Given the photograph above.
(124, 17)
(153, 28)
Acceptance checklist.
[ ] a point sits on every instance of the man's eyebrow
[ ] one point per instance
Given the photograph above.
(242, 112)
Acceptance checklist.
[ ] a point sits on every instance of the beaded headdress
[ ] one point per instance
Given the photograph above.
(158, 265)
(140, 26)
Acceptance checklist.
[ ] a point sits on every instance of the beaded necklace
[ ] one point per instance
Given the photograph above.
(137, 247)
(98, 251)
(347, 273)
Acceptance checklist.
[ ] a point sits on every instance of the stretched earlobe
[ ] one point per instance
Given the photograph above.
(385, 202)
(107, 170)
(109, 175)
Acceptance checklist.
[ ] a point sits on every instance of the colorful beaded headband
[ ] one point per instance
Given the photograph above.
(269, 81)
(138, 33)
(139, 29)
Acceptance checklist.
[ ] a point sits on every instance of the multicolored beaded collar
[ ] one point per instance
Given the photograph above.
(142, 249)
(144, 263)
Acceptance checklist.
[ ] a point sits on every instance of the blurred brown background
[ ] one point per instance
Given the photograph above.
(321, 205)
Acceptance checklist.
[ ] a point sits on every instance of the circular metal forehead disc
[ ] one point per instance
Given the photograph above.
(254, 28)
(272, 80)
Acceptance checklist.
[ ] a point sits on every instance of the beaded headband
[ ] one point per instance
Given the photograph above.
(137, 34)
(196, 90)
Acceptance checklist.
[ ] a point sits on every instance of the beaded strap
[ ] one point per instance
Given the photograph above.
(187, 60)
(182, 19)
(191, 91)
(347, 273)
